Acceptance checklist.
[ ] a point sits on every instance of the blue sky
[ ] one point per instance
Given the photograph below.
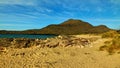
(35, 14)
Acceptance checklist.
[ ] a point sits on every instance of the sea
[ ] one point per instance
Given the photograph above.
(31, 36)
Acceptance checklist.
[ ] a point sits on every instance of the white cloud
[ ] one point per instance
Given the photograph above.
(95, 1)
(104, 20)
(17, 2)
(99, 9)
(24, 18)
(117, 2)
(2, 24)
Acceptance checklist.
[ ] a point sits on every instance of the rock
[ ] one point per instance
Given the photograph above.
(5, 42)
(3, 49)
(60, 37)
(61, 40)
(84, 41)
(51, 43)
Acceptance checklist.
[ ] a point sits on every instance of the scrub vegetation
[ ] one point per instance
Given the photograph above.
(113, 45)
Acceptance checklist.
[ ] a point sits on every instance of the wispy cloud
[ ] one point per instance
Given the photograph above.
(17, 2)
(55, 7)
(106, 20)
(7, 25)
(37, 11)
(117, 2)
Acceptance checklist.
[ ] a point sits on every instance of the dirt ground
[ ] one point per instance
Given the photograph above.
(60, 57)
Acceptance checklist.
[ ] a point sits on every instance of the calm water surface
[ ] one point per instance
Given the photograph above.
(26, 36)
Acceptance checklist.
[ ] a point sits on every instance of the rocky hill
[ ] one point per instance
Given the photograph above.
(68, 27)
(72, 26)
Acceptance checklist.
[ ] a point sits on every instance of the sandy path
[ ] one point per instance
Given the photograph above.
(69, 57)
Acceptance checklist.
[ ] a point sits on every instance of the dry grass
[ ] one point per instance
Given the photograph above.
(110, 34)
(112, 46)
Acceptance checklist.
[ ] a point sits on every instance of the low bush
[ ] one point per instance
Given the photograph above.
(110, 34)
(112, 46)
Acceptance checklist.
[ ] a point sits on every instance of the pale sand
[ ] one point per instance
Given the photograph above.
(60, 57)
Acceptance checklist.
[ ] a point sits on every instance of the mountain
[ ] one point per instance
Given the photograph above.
(99, 29)
(70, 26)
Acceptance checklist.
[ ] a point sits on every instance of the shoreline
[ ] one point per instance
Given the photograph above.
(54, 55)
(61, 40)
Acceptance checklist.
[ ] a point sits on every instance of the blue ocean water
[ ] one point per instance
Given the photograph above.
(26, 36)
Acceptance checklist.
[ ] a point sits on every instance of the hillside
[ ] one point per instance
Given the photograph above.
(72, 26)
(68, 27)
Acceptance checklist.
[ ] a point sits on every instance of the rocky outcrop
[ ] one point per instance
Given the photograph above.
(66, 41)
(59, 41)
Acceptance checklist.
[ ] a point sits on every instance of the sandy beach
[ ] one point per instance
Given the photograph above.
(60, 57)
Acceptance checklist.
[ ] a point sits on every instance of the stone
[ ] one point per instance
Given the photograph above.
(3, 49)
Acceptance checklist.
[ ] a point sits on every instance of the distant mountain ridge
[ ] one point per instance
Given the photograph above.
(72, 26)
(68, 27)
